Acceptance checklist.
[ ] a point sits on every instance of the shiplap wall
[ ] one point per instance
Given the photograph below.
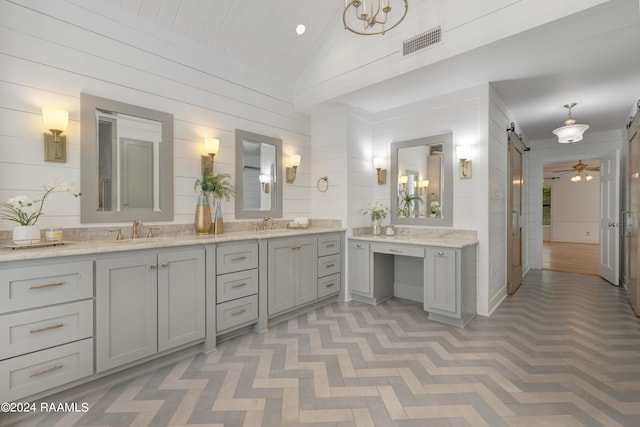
(51, 51)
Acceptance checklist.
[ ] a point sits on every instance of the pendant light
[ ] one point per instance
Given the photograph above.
(570, 132)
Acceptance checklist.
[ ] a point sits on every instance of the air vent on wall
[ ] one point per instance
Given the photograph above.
(421, 41)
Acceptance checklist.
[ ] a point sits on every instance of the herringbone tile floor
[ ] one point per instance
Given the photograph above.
(563, 351)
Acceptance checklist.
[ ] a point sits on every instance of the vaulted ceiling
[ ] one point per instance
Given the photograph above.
(590, 57)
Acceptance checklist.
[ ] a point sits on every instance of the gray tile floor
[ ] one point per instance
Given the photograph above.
(563, 351)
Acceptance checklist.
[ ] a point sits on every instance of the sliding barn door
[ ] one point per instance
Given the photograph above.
(514, 203)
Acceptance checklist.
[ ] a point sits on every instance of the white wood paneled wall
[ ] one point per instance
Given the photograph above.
(52, 51)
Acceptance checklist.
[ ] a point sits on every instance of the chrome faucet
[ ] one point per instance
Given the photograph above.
(136, 224)
(266, 220)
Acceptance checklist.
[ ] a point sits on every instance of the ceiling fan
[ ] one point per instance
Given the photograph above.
(580, 170)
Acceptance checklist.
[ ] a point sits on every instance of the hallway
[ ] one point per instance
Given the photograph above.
(580, 258)
(563, 351)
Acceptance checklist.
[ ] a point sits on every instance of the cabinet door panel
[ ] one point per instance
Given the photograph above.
(359, 271)
(181, 296)
(306, 271)
(281, 277)
(126, 310)
(442, 282)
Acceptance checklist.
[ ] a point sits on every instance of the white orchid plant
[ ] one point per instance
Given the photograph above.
(26, 211)
(375, 210)
(434, 207)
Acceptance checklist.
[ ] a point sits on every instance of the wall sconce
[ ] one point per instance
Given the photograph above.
(403, 182)
(55, 144)
(264, 183)
(211, 147)
(464, 153)
(425, 185)
(378, 163)
(294, 162)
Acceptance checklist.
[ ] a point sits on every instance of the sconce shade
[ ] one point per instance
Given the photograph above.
(425, 183)
(294, 159)
(463, 151)
(378, 163)
(211, 145)
(55, 119)
(404, 179)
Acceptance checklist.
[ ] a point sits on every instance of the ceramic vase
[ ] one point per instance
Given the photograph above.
(26, 234)
(202, 221)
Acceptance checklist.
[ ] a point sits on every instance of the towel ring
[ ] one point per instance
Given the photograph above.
(322, 187)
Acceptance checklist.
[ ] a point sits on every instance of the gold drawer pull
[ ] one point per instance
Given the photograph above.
(239, 285)
(440, 253)
(46, 371)
(46, 328)
(48, 285)
(395, 250)
(153, 266)
(165, 264)
(330, 265)
(359, 246)
(236, 313)
(238, 258)
(330, 245)
(331, 284)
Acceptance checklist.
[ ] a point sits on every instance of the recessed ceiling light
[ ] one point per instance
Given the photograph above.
(300, 29)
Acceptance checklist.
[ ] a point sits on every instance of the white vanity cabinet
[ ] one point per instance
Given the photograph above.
(46, 325)
(147, 302)
(236, 285)
(292, 273)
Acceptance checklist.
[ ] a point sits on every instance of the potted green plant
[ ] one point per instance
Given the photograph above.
(406, 201)
(219, 186)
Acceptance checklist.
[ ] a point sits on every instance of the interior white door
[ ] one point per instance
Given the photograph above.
(609, 213)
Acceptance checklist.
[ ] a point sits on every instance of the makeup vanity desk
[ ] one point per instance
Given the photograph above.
(438, 271)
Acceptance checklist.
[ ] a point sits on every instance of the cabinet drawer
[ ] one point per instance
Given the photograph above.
(328, 244)
(328, 265)
(38, 329)
(398, 249)
(37, 286)
(328, 285)
(236, 312)
(36, 372)
(236, 257)
(236, 285)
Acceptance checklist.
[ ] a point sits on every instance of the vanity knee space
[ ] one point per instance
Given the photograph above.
(442, 278)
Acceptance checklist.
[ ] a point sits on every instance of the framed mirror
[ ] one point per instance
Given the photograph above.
(421, 181)
(126, 162)
(258, 176)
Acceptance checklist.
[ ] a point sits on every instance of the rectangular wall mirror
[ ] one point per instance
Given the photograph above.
(126, 160)
(258, 176)
(421, 181)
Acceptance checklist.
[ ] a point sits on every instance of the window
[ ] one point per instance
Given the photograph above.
(546, 206)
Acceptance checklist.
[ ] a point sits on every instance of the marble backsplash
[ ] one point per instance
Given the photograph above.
(167, 230)
(423, 232)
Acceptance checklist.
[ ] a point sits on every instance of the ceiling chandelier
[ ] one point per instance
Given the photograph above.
(579, 175)
(367, 17)
(570, 132)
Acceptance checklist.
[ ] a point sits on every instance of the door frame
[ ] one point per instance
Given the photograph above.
(536, 159)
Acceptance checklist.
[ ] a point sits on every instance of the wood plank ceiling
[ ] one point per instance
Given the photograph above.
(263, 30)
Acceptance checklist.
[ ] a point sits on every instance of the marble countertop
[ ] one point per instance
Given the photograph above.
(87, 247)
(422, 240)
